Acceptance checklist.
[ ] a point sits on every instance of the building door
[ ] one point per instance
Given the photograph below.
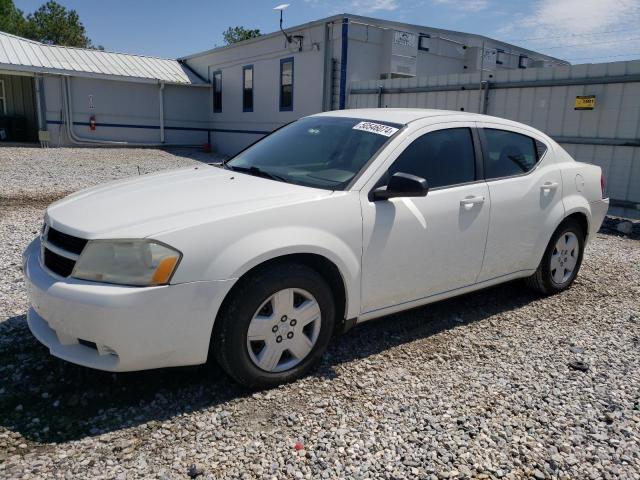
(18, 118)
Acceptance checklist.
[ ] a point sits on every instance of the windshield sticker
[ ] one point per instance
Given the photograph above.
(378, 128)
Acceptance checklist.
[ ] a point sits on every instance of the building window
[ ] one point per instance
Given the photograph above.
(523, 61)
(286, 84)
(500, 56)
(423, 42)
(247, 88)
(216, 82)
(3, 101)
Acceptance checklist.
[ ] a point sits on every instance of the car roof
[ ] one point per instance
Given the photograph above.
(407, 115)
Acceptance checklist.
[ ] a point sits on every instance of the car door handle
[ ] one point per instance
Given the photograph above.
(546, 187)
(469, 202)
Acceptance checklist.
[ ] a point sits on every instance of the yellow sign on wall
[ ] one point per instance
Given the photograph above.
(585, 102)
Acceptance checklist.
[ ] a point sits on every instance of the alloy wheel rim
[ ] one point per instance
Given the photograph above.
(564, 257)
(284, 330)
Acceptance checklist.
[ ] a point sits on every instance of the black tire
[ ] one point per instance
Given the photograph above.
(229, 340)
(542, 280)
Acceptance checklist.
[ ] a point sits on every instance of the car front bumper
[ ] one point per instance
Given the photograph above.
(119, 328)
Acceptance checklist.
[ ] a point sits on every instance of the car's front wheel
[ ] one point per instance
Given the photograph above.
(561, 261)
(275, 326)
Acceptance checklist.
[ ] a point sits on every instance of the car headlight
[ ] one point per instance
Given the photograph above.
(127, 262)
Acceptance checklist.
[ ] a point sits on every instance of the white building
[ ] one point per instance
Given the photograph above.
(228, 96)
(82, 96)
(263, 83)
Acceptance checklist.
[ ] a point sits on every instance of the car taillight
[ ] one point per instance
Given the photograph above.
(602, 184)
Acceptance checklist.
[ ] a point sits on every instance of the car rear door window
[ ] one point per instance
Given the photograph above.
(508, 153)
(541, 149)
(444, 157)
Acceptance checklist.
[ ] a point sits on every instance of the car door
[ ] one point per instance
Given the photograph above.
(525, 186)
(418, 247)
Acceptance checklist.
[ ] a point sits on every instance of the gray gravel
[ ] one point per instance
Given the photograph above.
(480, 386)
(42, 173)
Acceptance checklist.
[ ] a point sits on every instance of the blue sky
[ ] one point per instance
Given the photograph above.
(578, 30)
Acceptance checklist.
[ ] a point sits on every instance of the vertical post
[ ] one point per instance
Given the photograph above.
(38, 93)
(161, 100)
(481, 76)
(380, 90)
(485, 97)
(327, 80)
(41, 111)
(343, 63)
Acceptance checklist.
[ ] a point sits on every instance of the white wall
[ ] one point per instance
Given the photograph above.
(365, 52)
(186, 107)
(127, 107)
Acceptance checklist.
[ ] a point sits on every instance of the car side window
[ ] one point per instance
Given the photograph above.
(541, 149)
(444, 157)
(509, 153)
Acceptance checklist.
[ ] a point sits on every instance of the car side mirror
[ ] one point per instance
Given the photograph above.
(402, 185)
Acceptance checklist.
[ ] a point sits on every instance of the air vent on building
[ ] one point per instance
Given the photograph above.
(523, 61)
(424, 42)
(402, 53)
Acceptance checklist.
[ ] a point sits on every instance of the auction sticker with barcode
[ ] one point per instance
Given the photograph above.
(378, 128)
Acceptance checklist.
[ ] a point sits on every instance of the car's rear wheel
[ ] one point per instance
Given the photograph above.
(561, 261)
(275, 326)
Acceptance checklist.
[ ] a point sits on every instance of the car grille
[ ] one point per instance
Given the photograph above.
(67, 249)
(58, 264)
(66, 242)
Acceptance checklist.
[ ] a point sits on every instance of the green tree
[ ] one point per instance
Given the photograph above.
(52, 23)
(238, 34)
(11, 19)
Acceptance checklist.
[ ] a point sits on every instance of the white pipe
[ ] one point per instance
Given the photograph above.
(75, 139)
(161, 95)
(42, 112)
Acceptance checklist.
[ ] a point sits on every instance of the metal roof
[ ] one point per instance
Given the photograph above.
(21, 54)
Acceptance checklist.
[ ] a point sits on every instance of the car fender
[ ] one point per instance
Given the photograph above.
(239, 257)
(581, 182)
(576, 204)
(555, 218)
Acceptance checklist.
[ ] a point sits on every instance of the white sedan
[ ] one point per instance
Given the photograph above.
(333, 220)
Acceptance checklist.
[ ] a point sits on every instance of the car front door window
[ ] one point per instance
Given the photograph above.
(442, 158)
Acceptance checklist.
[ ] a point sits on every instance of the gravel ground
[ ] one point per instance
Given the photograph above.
(45, 174)
(478, 386)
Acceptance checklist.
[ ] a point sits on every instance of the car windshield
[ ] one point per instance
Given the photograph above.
(321, 152)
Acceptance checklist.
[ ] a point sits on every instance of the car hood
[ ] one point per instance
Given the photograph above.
(150, 204)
